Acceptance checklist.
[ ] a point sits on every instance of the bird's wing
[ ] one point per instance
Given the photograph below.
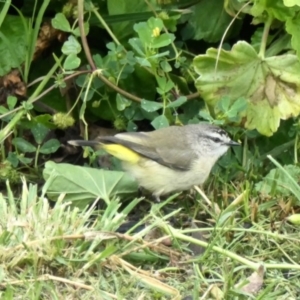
(159, 146)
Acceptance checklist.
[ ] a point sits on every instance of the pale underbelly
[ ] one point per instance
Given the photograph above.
(161, 180)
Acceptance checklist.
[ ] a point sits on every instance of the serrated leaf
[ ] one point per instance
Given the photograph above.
(151, 106)
(275, 9)
(83, 185)
(160, 122)
(50, 146)
(271, 86)
(292, 26)
(23, 145)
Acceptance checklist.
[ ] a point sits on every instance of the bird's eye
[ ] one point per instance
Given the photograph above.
(216, 140)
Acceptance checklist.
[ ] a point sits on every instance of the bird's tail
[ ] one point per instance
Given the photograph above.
(85, 143)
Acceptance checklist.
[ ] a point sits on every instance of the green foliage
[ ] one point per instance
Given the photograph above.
(208, 21)
(143, 65)
(83, 185)
(270, 85)
(277, 183)
(13, 44)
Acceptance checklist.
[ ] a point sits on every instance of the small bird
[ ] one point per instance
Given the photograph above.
(169, 159)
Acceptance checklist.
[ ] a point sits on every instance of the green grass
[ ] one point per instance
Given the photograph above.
(62, 252)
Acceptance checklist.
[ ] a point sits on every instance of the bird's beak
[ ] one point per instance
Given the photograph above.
(233, 143)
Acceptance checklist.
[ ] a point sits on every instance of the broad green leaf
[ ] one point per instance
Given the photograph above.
(60, 22)
(290, 3)
(23, 145)
(273, 8)
(50, 146)
(276, 181)
(39, 132)
(292, 26)
(84, 185)
(208, 21)
(13, 43)
(124, 9)
(271, 86)
(151, 106)
(160, 122)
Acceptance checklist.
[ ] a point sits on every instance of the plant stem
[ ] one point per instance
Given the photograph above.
(104, 24)
(176, 234)
(264, 40)
(296, 149)
(83, 35)
(37, 156)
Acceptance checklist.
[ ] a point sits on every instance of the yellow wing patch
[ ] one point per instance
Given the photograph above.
(122, 153)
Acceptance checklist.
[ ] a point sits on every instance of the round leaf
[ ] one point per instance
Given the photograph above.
(72, 62)
(151, 106)
(39, 132)
(50, 146)
(23, 145)
(160, 122)
(178, 102)
(71, 46)
(60, 22)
